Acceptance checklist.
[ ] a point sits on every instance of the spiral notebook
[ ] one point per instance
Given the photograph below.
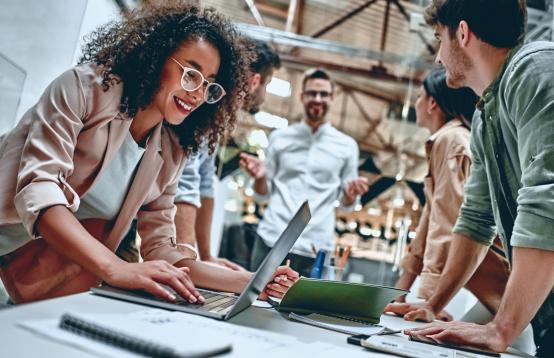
(338, 324)
(153, 333)
(124, 338)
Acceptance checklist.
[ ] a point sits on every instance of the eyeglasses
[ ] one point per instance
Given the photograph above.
(322, 94)
(192, 79)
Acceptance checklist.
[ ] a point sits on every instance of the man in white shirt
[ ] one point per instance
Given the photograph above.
(309, 160)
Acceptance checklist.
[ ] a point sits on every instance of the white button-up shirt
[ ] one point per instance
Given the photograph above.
(302, 165)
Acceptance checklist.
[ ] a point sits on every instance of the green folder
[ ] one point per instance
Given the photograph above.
(358, 301)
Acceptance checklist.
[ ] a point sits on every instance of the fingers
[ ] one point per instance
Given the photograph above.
(398, 308)
(428, 330)
(421, 314)
(179, 280)
(157, 290)
(444, 316)
(274, 293)
(285, 270)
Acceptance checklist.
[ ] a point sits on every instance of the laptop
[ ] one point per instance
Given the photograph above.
(223, 306)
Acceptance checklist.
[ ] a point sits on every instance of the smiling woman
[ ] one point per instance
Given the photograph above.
(106, 143)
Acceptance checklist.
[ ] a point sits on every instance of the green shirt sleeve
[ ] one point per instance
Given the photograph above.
(530, 106)
(476, 219)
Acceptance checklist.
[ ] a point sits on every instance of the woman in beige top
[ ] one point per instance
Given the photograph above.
(147, 92)
(446, 112)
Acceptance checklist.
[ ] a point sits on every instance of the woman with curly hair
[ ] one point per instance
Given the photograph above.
(107, 142)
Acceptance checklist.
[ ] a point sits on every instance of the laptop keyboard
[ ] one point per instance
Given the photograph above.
(215, 302)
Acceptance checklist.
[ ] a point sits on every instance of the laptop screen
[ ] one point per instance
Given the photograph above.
(273, 259)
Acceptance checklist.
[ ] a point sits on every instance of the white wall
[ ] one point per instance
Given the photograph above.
(42, 37)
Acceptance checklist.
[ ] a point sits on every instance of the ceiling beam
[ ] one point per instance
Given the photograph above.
(382, 96)
(374, 73)
(293, 6)
(343, 18)
(255, 13)
(385, 29)
(404, 13)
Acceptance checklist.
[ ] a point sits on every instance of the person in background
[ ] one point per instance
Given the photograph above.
(309, 160)
(510, 190)
(194, 199)
(105, 143)
(446, 113)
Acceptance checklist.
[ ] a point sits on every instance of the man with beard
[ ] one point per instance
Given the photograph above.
(309, 160)
(511, 184)
(194, 198)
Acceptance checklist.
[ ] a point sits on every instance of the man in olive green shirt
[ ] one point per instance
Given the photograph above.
(511, 186)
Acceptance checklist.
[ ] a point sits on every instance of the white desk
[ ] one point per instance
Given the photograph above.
(16, 342)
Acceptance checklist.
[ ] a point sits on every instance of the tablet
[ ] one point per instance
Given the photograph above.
(423, 339)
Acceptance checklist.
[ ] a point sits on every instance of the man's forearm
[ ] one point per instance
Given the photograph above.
(203, 227)
(464, 257)
(260, 186)
(214, 277)
(185, 219)
(530, 283)
(406, 280)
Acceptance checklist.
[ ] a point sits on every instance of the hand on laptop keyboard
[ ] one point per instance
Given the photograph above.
(151, 276)
(283, 279)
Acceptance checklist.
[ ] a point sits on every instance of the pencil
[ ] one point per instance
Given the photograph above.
(344, 256)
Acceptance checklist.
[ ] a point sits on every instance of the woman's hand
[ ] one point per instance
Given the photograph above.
(149, 275)
(283, 279)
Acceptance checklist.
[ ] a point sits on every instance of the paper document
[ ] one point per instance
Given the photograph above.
(338, 324)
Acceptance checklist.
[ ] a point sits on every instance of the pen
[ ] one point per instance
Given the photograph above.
(387, 331)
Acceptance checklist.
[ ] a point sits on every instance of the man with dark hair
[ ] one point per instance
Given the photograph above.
(511, 184)
(267, 60)
(194, 198)
(311, 161)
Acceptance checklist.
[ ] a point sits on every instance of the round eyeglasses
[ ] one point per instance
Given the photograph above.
(193, 79)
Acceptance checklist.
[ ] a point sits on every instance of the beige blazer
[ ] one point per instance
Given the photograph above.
(61, 147)
(449, 160)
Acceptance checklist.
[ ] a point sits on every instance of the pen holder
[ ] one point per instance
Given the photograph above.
(333, 273)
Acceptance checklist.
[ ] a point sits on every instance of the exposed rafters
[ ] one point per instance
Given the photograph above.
(343, 18)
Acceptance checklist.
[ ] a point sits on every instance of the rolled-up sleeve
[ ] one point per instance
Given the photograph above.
(531, 107)
(47, 155)
(476, 219)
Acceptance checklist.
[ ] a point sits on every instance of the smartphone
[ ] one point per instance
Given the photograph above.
(423, 339)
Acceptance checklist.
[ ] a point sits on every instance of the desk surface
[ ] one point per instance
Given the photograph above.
(16, 342)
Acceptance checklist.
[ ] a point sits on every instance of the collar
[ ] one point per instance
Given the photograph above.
(492, 89)
(453, 123)
(322, 128)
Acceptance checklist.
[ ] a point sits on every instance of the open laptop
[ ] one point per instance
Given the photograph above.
(218, 305)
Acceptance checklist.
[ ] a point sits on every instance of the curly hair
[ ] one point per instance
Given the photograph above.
(134, 50)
